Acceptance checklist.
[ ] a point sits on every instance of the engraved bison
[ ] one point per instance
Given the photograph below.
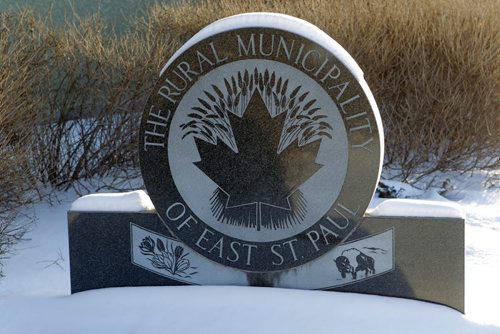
(363, 263)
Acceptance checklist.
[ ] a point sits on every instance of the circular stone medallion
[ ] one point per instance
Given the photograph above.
(261, 147)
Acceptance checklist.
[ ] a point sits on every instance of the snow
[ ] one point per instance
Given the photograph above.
(228, 310)
(132, 201)
(414, 202)
(414, 208)
(136, 201)
(35, 294)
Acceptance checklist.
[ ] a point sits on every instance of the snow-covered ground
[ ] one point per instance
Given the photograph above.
(35, 294)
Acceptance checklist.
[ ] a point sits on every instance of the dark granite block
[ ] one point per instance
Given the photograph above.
(417, 258)
(260, 148)
(261, 138)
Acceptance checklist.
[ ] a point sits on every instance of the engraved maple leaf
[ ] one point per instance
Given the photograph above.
(256, 173)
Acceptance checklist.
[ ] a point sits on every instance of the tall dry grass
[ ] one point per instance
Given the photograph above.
(433, 66)
(71, 97)
(76, 94)
(70, 102)
(16, 65)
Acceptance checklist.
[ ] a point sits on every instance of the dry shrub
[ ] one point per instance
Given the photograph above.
(99, 85)
(70, 98)
(433, 66)
(16, 64)
(70, 104)
(84, 91)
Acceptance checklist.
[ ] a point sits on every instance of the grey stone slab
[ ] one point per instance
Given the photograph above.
(417, 258)
(259, 138)
(430, 257)
(99, 247)
(261, 148)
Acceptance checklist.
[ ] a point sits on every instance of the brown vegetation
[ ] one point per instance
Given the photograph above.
(70, 98)
(70, 103)
(433, 66)
(16, 64)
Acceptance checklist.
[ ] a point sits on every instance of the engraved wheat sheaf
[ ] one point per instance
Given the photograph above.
(209, 120)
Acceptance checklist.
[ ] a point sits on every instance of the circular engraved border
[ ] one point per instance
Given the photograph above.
(331, 154)
(364, 157)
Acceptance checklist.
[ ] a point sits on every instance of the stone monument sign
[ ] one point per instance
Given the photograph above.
(260, 148)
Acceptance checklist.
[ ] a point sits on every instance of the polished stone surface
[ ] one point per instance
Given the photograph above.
(417, 258)
(260, 149)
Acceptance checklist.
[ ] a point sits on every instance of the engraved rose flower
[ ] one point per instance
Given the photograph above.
(163, 255)
(147, 246)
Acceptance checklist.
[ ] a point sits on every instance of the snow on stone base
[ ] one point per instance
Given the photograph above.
(137, 201)
(403, 207)
(133, 201)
